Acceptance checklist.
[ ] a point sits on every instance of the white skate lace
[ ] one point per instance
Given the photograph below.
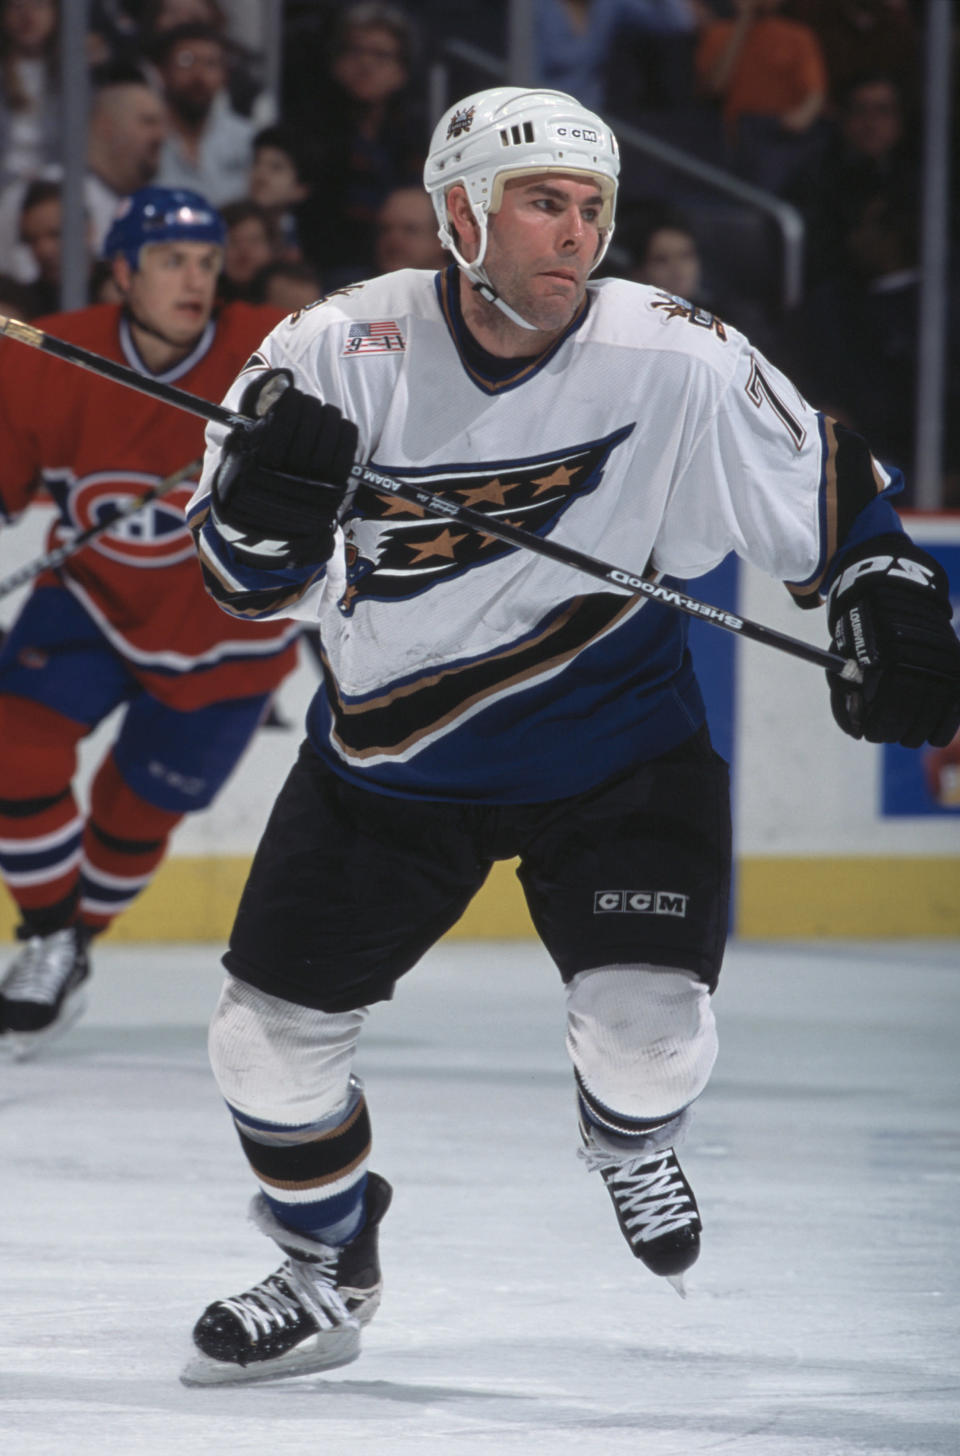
(649, 1192)
(282, 1298)
(40, 970)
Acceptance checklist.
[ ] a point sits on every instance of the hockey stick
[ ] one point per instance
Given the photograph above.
(435, 505)
(59, 554)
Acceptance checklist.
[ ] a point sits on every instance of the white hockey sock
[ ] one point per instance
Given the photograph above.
(643, 1042)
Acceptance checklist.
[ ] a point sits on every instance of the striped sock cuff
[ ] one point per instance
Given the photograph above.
(313, 1176)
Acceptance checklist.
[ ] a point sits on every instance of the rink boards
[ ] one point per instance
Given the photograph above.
(832, 837)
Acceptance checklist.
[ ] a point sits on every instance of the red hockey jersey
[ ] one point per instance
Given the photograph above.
(95, 444)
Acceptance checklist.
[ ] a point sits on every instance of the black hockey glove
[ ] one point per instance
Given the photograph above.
(890, 611)
(254, 492)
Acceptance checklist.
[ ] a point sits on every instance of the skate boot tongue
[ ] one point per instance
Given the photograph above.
(655, 1208)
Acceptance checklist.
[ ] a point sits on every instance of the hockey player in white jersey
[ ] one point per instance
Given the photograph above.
(479, 702)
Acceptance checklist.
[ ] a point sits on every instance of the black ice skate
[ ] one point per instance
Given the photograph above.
(654, 1204)
(43, 992)
(305, 1317)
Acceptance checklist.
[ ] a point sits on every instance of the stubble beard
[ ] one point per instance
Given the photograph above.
(549, 315)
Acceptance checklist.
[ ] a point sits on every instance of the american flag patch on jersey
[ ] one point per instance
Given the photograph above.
(383, 337)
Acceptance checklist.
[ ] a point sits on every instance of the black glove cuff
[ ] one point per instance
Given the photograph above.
(890, 565)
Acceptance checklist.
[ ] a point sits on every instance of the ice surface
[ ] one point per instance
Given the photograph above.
(821, 1319)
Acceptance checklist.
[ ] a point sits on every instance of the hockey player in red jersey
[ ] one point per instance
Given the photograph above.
(126, 621)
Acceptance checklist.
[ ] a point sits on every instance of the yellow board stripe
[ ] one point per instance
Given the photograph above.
(861, 896)
(193, 900)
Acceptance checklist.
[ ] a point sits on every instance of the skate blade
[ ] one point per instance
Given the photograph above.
(325, 1351)
(677, 1281)
(24, 1045)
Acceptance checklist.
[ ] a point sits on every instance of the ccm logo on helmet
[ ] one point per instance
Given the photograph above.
(639, 902)
(581, 133)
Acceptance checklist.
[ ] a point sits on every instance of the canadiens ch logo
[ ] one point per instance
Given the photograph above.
(461, 121)
(396, 551)
(155, 536)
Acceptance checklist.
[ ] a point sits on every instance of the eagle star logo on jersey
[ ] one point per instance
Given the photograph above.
(396, 551)
(461, 121)
(157, 535)
(674, 306)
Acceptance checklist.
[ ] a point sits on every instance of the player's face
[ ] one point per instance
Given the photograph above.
(542, 244)
(173, 289)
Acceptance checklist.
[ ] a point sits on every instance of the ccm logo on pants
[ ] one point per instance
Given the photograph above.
(639, 902)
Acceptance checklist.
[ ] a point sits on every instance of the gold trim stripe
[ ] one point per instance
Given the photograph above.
(291, 1187)
(809, 589)
(534, 670)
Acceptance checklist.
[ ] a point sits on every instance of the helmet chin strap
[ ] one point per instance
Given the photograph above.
(481, 284)
(477, 274)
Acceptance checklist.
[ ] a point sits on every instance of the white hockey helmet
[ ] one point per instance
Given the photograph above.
(513, 131)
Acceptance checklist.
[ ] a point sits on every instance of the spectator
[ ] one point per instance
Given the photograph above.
(210, 145)
(41, 227)
(40, 233)
(290, 286)
(14, 299)
(29, 87)
(103, 285)
(769, 75)
(251, 245)
(407, 232)
(112, 35)
(856, 336)
(575, 39)
(870, 155)
(280, 182)
(372, 137)
(160, 16)
(666, 255)
(128, 126)
(125, 134)
(861, 36)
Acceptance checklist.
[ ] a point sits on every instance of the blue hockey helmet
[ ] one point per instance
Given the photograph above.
(162, 215)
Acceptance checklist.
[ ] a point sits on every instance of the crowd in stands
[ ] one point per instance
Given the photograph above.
(814, 101)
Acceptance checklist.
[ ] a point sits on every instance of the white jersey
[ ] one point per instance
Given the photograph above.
(650, 435)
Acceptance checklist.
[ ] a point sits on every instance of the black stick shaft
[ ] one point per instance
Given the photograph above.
(614, 576)
(445, 509)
